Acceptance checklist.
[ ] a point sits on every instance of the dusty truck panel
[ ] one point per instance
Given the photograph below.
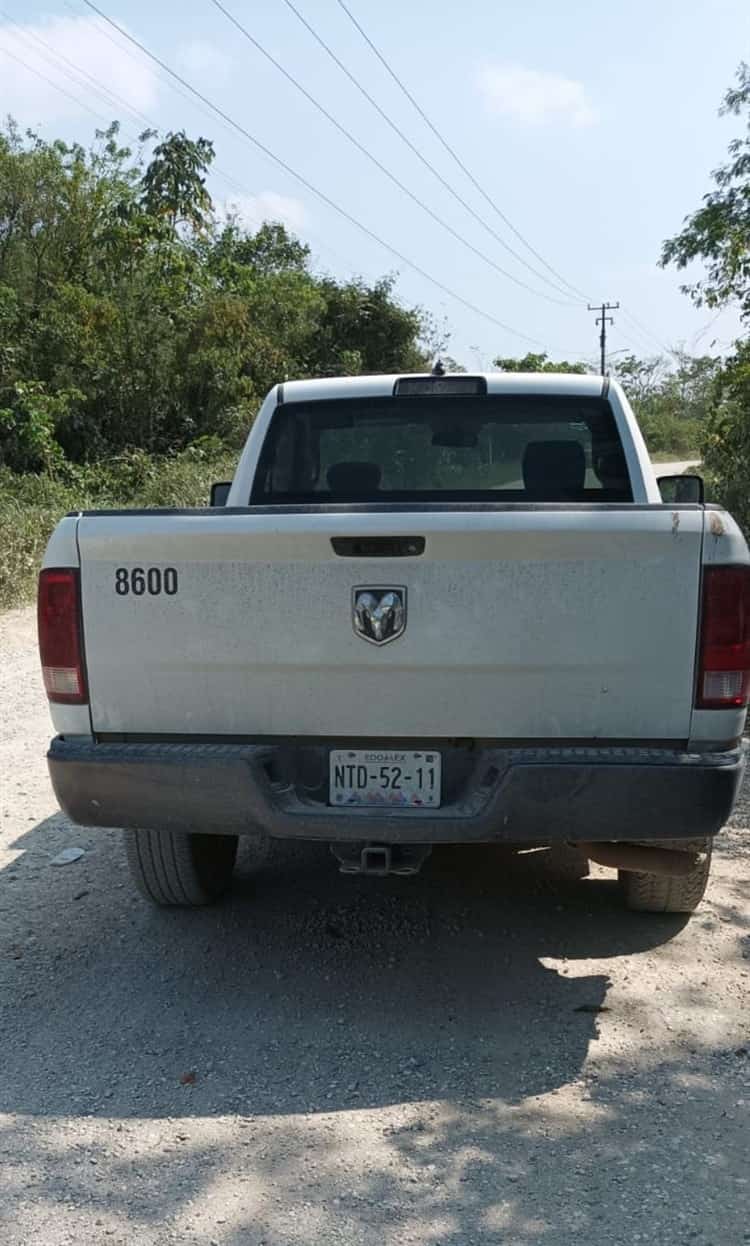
(435, 610)
(259, 640)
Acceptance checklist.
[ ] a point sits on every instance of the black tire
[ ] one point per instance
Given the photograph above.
(652, 893)
(171, 869)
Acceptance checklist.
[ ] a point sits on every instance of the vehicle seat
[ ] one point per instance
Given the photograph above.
(354, 481)
(554, 471)
(612, 471)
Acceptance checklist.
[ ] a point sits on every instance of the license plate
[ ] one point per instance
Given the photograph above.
(385, 777)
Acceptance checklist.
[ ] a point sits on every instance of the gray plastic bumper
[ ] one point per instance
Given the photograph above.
(498, 795)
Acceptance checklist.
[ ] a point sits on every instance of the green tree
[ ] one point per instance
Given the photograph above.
(718, 234)
(541, 362)
(673, 398)
(726, 444)
(271, 250)
(363, 329)
(174, 184)
(641, 378)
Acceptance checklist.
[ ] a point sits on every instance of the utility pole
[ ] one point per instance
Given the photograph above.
(603, 319)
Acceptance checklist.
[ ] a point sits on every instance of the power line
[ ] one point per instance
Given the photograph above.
(698, 337)
(646, 331)
(365, 151)
(38, 73)
(309, 185)
(233, 181)
(110, 96)
(113, 97)
(643, 329)
(454, 155)
(630, 345)
(55, 57)
(644, 343)
(420, 155)
(138, 58)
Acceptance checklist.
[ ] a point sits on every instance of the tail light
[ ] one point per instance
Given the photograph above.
(60, 635)
(724, 666)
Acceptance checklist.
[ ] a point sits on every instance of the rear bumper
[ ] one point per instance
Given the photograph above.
(501, 795)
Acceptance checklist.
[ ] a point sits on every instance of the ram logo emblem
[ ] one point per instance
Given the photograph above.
(379, 614)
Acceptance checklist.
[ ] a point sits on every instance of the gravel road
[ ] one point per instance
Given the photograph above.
(478, 1056)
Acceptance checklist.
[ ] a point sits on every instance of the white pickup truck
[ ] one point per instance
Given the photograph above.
(428, 610)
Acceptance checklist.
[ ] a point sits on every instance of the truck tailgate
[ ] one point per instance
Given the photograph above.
(522, 624)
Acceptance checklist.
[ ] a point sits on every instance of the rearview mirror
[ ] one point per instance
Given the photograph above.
(220, 493)
(681, 488)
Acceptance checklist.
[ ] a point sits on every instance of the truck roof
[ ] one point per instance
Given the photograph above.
(572, 384)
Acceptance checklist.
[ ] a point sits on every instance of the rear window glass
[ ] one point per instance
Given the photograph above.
(496, 448)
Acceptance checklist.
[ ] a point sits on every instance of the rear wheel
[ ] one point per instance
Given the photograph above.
(175, 869)
(653, 893)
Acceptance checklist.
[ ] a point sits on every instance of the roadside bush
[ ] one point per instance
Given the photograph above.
(669, 434)
(726, 444)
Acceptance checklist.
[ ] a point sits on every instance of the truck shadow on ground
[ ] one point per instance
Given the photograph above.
(303, 991)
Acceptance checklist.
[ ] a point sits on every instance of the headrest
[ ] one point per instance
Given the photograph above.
(612, 469)
(554, 469)
(354, 479)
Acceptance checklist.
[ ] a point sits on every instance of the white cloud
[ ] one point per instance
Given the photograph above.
(83, 42)
(253, 210)
(203, 60)
(534, 97)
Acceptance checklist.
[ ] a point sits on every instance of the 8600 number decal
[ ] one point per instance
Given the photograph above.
(141, 580)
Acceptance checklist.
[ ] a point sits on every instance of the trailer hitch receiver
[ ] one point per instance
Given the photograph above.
(379, 860)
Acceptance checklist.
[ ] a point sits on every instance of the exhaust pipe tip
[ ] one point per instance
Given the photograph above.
(641, 858)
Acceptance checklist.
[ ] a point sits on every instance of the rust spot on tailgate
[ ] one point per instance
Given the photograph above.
(675, 522)
(715, 524)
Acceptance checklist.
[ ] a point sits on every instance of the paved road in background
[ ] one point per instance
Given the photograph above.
(480, 1055)
(677, 468)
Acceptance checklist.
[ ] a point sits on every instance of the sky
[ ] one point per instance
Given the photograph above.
(591, 128)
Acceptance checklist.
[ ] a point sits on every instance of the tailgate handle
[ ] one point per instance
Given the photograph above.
(378, 546)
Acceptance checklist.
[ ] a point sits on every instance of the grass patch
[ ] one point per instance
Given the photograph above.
(31, 506)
